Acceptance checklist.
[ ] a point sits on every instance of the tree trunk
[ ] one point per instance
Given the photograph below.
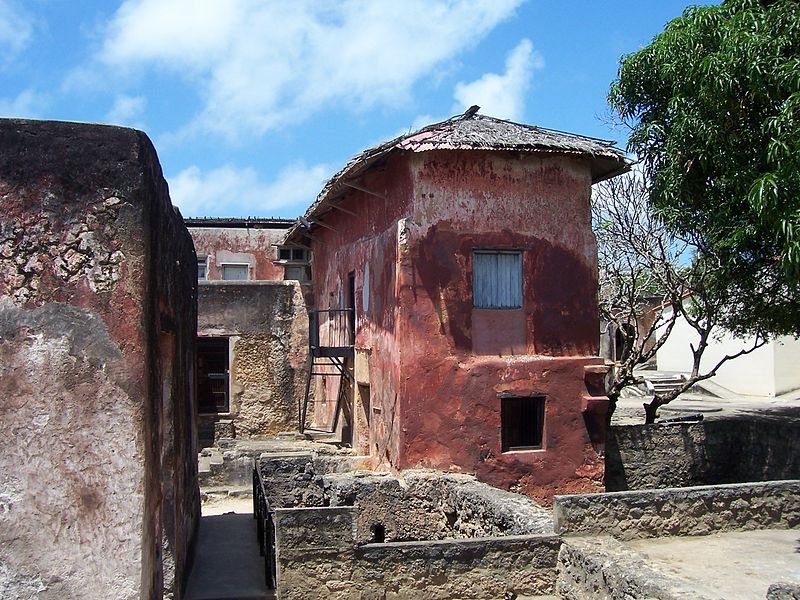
(612, 406)
(651, 411)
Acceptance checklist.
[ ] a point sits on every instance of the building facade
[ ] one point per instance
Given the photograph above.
(252, 327)
(455, 280)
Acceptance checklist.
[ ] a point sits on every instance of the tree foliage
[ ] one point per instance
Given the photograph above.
(713, 104)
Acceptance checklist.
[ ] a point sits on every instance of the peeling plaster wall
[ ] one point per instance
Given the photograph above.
(98, 486)
(435, 366)
(256, 247)
(267, 323)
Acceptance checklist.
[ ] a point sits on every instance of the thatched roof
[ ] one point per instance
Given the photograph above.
(472, 131)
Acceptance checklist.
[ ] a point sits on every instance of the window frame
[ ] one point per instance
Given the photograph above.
(518, 294)
(222, 267)
(204, 261)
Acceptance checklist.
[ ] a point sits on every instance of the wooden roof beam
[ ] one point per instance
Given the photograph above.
(361, 188)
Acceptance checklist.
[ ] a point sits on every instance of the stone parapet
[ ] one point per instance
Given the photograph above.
(680, 511)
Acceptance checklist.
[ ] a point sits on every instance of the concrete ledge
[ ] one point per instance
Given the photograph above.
(680, 511)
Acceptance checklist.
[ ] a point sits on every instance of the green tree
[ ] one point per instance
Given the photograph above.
(713, 104)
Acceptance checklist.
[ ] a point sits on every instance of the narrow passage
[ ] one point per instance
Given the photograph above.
(227, 563)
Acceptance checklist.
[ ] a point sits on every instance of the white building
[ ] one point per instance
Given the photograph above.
(769, 371)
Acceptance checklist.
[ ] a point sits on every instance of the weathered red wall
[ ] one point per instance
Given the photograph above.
(435, 362)
(370, 238)
(232, 244)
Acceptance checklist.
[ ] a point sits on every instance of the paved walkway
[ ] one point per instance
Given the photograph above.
(227, 565)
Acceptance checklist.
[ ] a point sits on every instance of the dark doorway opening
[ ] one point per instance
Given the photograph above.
(212, 375)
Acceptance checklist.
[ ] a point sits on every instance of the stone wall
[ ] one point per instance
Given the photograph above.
(602, 567)
(98, 483)
(267, 325)
(714, 451)
(680, 511)
(426, 505)
(366, 535)
(295, 479)
(423, 505)
(318, 557)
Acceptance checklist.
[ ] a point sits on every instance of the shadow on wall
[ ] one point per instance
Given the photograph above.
(718, 451)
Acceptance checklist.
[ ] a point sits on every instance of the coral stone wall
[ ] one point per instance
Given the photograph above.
(254, 247)
(267, 325)
(717, 450)
(687, 511)
(434, 366)
(98, 482)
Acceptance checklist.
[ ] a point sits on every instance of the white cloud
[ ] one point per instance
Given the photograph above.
(260, 64)
(127, 110)
(502, 95)
(15, 28)
(25, 105)
(176, 33)
(232, 191)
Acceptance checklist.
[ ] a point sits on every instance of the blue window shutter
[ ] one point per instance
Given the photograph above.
(497, 279)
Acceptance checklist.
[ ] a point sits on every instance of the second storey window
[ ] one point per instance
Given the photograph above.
(497, 279)
(235, 272)
(202, 268)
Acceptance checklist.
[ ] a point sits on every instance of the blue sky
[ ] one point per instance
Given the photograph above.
(253, 104)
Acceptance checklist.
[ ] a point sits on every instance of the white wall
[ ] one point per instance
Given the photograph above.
(787, 364)
(753, 374)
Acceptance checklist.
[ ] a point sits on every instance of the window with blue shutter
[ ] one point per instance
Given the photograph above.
(497, 279)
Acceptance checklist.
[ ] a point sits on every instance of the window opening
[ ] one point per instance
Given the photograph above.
(235, 272)
(298, 272)
(378, 533)
(293, 253)
(212, 375)
(522, 423)
(497, 279)
(202, 268)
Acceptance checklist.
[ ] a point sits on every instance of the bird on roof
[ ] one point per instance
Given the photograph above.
(471, 111)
